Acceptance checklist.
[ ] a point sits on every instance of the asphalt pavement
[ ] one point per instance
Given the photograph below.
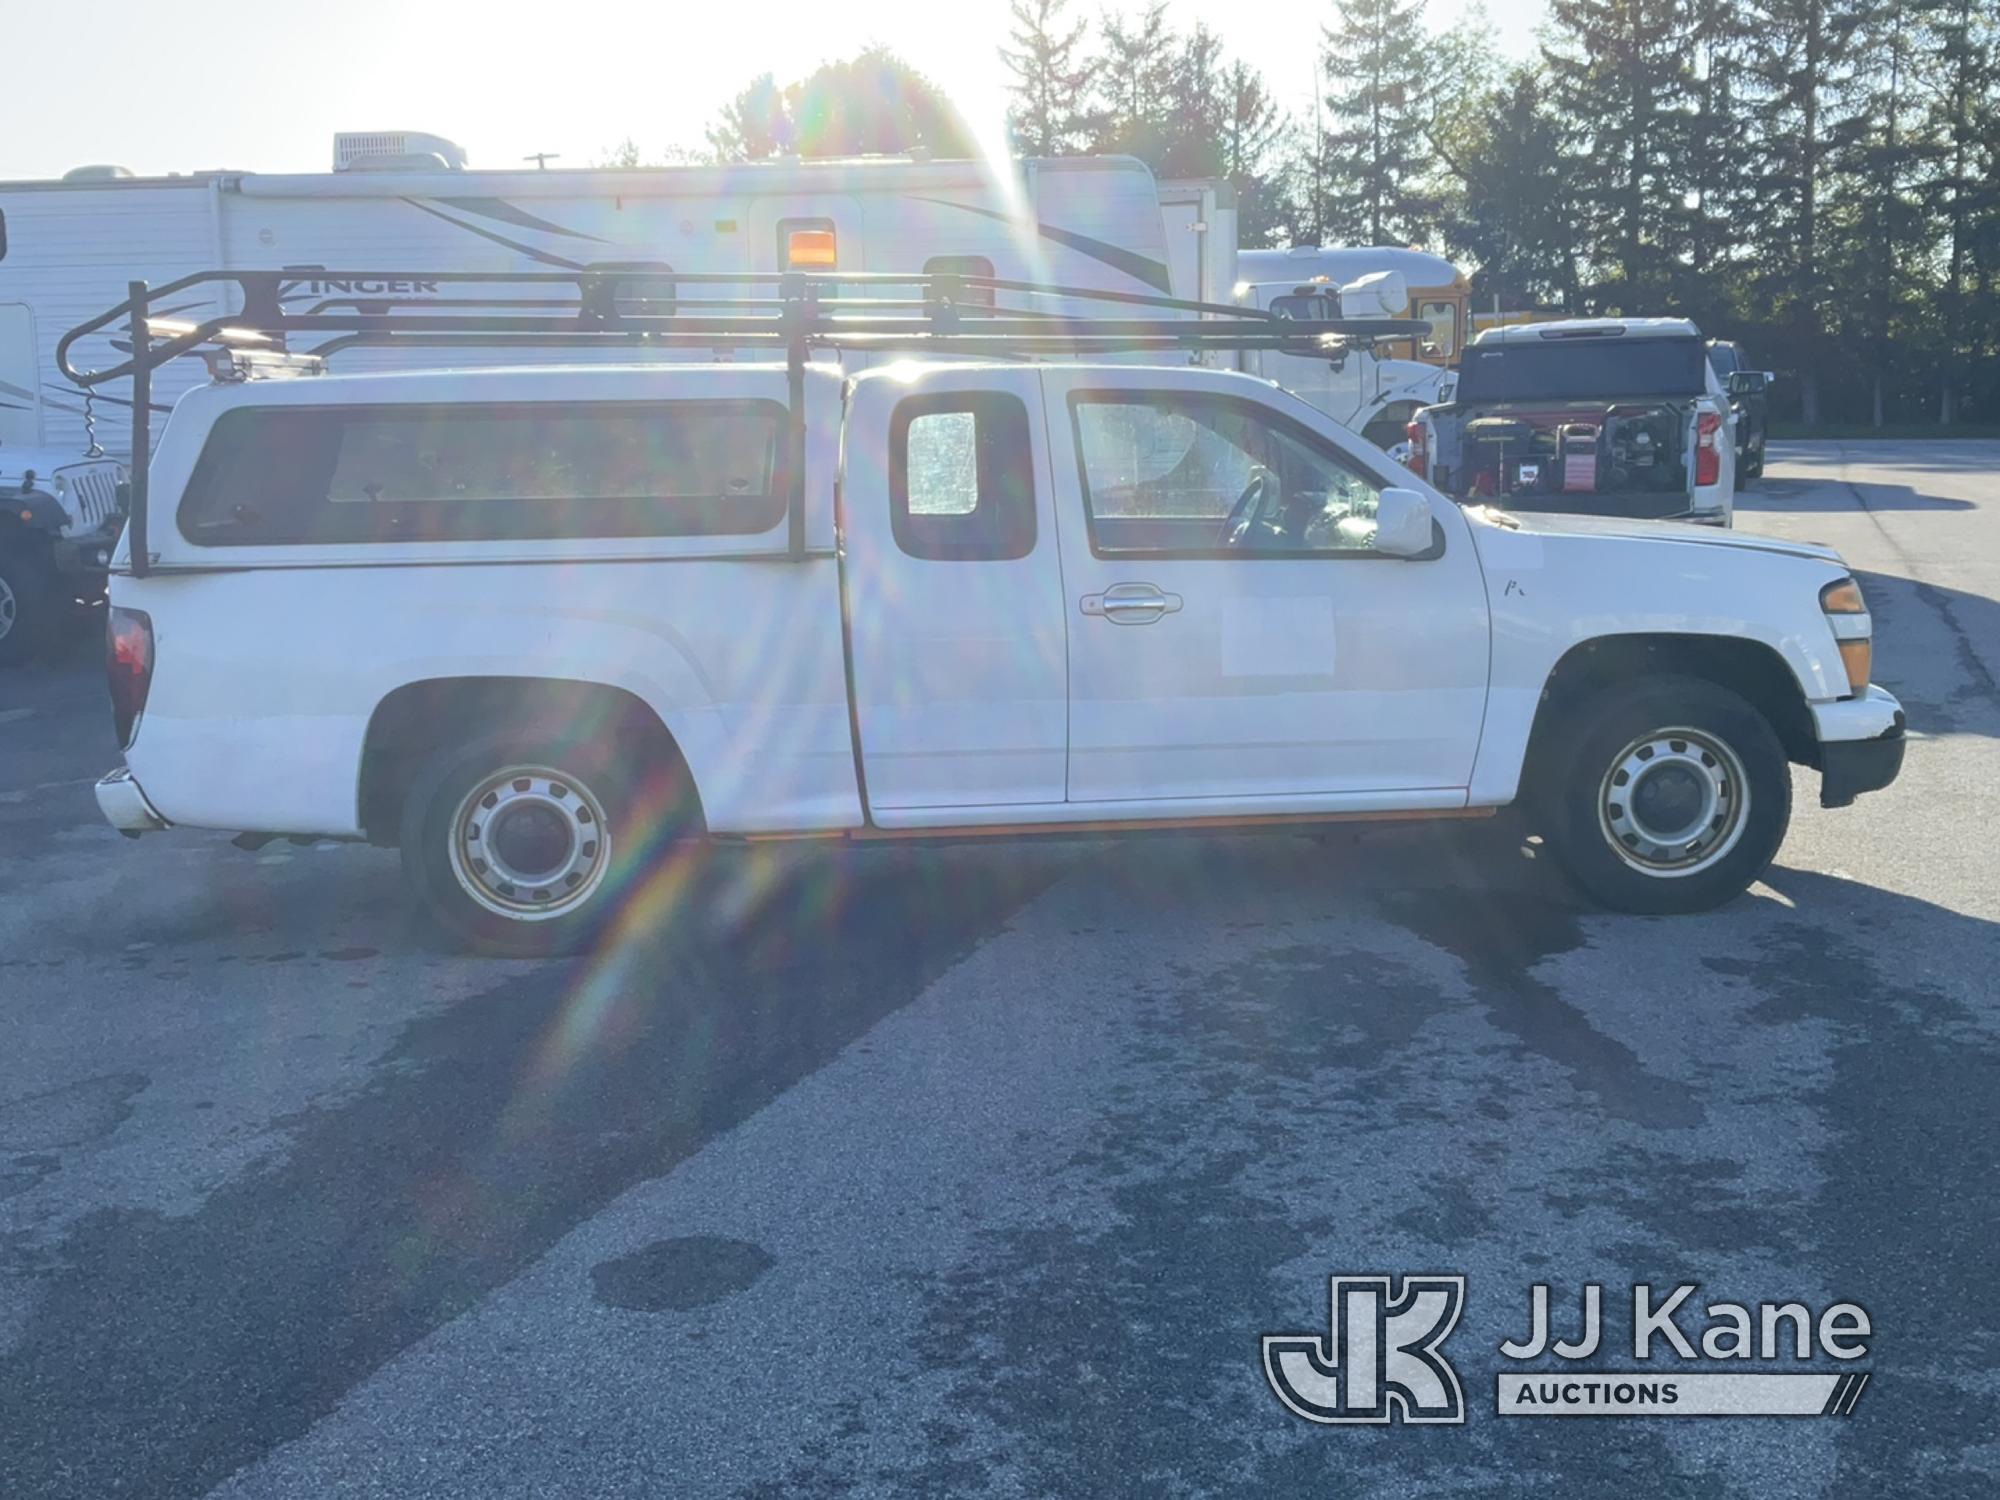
(983, 1171)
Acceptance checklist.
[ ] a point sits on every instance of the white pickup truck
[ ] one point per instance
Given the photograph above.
(536, 626)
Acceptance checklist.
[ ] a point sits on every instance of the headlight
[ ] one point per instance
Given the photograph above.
(1853, 629)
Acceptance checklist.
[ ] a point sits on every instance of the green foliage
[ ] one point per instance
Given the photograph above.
(1817, 178)
(870, 104)
(1373, 150)
(1050, 78)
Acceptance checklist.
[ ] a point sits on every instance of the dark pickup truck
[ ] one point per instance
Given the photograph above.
(1749, 400)
(1601, 416)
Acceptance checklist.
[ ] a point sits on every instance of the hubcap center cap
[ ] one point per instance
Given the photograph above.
(530, 843)
(1671, 800)
(532, 838)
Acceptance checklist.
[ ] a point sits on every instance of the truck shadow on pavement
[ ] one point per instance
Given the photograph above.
(1935, 664)
(1821, 496)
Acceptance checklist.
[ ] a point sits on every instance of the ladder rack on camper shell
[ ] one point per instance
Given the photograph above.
(858, 311)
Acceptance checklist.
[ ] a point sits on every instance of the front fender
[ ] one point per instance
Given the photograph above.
(1551, 593)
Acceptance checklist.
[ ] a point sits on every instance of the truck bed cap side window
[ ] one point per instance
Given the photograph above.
(527, 470)
(962, 477)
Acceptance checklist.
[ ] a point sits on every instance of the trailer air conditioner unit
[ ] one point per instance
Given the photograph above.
(395, 151)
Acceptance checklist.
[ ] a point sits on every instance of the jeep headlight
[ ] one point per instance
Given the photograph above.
(1853, 630)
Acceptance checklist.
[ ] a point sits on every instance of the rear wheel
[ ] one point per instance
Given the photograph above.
(1670, 794)
(525, 844)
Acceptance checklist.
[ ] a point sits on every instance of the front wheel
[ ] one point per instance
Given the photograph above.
(1670, 794)
(527, 844)
(29, 601)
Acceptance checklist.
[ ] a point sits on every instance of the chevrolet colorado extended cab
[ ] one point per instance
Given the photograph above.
(538, 627)
(533, 625)
(1595, 416)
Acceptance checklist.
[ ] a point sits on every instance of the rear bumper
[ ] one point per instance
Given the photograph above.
(1861, 742)
(125, 806)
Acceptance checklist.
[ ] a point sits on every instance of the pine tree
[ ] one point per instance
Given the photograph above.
(1881, 234)
(1194, 119)
(1718, 197)
(1619, 76)
(1516, 214)
(1800, 66)
(1374, 154)
(1136, 83)
(1959, 57)
(1052, 79)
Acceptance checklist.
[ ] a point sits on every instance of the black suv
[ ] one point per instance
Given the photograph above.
(1748, 401)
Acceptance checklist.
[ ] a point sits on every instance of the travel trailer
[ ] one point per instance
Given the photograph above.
(402, 198)
(1374, 391)
(399, 198)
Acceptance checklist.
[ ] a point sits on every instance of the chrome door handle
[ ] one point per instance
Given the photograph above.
(1131, 604)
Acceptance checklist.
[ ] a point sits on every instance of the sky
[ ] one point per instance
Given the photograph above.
(262, 85)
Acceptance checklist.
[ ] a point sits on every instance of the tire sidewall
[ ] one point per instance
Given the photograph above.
(1601, 727)
(426, 833)
(30, 578)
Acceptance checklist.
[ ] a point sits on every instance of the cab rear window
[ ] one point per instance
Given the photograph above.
(531, 470)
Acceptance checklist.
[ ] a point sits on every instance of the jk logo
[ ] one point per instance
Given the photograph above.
(1383, 1352)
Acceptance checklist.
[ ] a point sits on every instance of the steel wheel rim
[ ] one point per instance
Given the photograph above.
(1673, 802)
(529, 843)
(10, 609)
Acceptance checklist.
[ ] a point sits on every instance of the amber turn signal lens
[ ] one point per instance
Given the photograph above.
(1843, 598)
(1858, 657)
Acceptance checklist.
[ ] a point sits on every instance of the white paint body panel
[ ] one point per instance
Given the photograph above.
(1278, 676)
(960, 679)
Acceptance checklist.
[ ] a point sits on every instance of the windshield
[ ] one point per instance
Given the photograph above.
(1610, 368)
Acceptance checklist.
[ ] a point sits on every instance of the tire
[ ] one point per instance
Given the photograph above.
(1709, 799)
(526, 843)
(30, 602)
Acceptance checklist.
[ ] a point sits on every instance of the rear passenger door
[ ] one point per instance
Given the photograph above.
(954, 597)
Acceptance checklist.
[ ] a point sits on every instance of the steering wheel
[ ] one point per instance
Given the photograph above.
(1249, 505)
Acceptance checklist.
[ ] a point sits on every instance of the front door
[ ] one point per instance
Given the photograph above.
(1233, 637)
(953, 585)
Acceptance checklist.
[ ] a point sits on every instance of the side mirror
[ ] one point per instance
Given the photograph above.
(1402, 523)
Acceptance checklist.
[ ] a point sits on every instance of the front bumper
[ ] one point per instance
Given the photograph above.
(1861, 743)
(125, 807)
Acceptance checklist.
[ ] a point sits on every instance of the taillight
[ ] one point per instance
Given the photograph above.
(128, 665)
(1708, 448)
(1419, 461)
